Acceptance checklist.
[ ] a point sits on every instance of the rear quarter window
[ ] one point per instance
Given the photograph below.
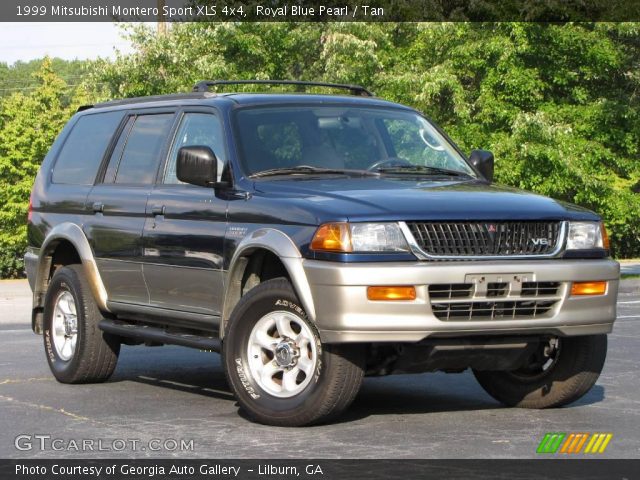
(84, 148)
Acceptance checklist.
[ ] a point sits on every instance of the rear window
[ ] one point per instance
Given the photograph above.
(82, 152)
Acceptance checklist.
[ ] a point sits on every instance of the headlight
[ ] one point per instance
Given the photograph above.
(359, 237)
(587, 235)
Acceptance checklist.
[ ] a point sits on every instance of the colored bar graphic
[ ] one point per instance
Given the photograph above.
(543, 443)
(551, 442)
(572, 443)
(598, 443)
(581, 442)
(567, 443)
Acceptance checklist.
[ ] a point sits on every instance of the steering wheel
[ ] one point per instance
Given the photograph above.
(390, 162)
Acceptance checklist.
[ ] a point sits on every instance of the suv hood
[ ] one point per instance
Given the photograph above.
(396, 198)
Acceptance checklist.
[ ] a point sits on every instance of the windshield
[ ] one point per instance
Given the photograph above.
(389, 141)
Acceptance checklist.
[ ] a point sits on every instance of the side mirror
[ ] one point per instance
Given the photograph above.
(483, 161)
(197, 165)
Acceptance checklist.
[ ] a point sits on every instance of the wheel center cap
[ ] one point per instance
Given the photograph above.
(285, 354)
(70, 325)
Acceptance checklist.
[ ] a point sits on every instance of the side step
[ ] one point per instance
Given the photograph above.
(159, 335)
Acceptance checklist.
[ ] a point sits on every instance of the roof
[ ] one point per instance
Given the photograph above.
(207, 98)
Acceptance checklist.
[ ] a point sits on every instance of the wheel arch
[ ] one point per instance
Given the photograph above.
(271, 242)
(57, 245)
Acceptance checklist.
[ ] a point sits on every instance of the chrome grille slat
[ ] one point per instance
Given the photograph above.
(536, 289)
(449, 291)
(497, 289)
(492, 310)
(490, 239)
(456, 301)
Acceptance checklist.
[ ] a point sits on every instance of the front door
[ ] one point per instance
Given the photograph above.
(185, 227)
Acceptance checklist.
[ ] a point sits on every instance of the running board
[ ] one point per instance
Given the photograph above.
(159, 335)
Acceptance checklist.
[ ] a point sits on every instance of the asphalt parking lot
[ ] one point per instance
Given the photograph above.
(158, 395)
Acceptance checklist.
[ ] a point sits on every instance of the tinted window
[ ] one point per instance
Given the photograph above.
(420, 143)
(116, 154)
(339, 137)
(142, 149)
(197, 129)
(84, 148)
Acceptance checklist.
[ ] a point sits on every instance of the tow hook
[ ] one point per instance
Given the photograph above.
(551, 347)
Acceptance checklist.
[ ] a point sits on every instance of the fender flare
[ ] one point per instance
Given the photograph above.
(74, 235)
(286, 250)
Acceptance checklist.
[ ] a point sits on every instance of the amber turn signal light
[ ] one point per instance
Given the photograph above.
(391, 293)
(588, 288)
(332, 237)
(605, 237)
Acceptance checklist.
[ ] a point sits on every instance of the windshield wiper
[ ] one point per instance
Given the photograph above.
(423, 170)
(308, 169)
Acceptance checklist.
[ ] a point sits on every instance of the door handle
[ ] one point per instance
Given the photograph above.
(98, 207)
(157, 210)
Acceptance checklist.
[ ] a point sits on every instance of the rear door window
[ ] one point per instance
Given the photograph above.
(141, 150)
(84, 148)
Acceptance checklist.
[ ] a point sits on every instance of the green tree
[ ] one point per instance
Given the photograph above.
(190, 52)
(29, 124)
(20, 77)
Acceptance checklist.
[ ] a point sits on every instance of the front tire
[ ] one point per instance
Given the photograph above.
(276, 365)
(77, 350)
(569, 374)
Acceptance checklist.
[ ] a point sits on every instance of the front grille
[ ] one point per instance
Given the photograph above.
(460, 239)
(535, 289)
(497, 289)
(461, 301)
(492, 310)
(451, 290)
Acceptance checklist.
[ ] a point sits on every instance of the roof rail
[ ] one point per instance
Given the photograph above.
(154, 98)
(357, 90)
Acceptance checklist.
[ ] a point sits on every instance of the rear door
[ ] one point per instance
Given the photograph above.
(74, 173)
(118, 202)
(185, 227)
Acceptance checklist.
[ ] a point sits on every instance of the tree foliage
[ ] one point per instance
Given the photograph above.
(29, 124)
(21, 75)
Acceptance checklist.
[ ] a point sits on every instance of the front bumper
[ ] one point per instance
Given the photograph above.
(344, 314)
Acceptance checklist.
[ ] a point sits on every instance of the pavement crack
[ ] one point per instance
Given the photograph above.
(9, 381)
(49, 409)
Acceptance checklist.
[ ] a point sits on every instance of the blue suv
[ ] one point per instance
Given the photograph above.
(311, 239)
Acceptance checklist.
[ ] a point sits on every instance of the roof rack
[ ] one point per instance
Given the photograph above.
(357, 90)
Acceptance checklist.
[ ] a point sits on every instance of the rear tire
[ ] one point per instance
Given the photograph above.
(571, 375)
(77, 350)
(276, 365)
